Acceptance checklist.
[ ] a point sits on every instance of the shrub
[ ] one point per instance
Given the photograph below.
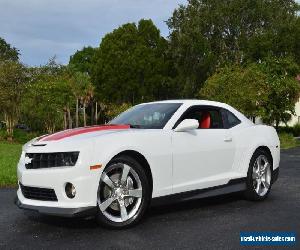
(287, 141)
(295, 131)
(19, 136)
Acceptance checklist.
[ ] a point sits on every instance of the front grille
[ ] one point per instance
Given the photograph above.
(50, 160)
(34, 193)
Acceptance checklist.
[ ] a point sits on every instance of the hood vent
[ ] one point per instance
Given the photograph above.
(38, 145)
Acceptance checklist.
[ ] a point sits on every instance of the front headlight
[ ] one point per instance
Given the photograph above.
(49, 160)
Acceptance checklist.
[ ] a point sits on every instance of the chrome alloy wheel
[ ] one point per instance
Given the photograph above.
(261, 175)
(120, 192)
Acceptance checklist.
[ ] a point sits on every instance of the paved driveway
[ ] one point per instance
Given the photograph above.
(213, 223)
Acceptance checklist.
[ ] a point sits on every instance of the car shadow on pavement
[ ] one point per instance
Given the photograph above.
(61, 221)
(153, 212)
(203, 203)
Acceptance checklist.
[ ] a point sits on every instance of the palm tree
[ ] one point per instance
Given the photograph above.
(83, 91)
(88, 93)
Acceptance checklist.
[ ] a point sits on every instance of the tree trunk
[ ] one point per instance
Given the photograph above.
(50, 128)
(92, 113)
(77, 111)
(277, 125)
(69, 117)
(84, 116)
(96, 113)
(65, 120)
(10, 123)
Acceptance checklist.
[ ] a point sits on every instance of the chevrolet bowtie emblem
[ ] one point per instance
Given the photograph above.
(28, 160)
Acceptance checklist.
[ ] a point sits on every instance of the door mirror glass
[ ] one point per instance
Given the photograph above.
(187, 125)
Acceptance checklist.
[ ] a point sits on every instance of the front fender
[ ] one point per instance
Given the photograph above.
(154, 145)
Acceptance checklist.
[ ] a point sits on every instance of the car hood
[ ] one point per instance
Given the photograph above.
(81, 133)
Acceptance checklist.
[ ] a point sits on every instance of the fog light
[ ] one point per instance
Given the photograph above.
(70, 190)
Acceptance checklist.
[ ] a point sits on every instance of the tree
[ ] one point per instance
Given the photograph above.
(208, 34)
(82, 60)
(268, 90)
(7, 52)
(86, 97)
(245, 88)
(45, 104)
(284, 89)
(83, 91)
(113, 110)
(131, 65)
(12, 80)
(48, 98)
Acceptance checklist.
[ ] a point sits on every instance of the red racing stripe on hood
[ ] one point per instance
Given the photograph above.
(79, 131)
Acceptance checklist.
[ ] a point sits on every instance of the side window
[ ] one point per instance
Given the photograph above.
(216, 119)
(208, 117)
(230, 119)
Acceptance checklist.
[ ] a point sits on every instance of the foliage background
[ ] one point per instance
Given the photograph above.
(243, 52)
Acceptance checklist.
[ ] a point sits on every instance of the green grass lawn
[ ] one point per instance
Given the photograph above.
(9, 157)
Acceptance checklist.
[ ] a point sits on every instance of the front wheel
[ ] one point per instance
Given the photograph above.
(123, 193)
(259, 177)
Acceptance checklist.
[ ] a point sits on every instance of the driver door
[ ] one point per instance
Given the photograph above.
(202, 157)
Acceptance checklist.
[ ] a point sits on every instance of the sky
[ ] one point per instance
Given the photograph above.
(41, 29)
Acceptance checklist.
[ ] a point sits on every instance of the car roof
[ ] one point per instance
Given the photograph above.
(193, 102)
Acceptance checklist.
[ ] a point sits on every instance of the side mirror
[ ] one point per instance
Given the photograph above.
(186, 125)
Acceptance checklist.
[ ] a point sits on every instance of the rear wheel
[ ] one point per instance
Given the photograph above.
(123, 193)
(259, 178)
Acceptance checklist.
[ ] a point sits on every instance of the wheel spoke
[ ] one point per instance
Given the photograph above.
(258, 184)
(265, 184)
(135, 193)
(124, 214)
(259, 162)
(125, 173)
(265, 166)
(104, 205)
(107, 180)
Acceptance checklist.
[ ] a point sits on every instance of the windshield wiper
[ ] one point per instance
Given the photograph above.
(134, 126)
(130, 125)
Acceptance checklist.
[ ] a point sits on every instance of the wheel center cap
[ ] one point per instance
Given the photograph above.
(119, 192)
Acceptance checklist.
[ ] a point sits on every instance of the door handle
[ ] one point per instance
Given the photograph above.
(228, 139)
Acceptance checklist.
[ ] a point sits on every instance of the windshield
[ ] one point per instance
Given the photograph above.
(148, 116)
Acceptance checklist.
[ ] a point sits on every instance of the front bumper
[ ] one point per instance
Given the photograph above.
(86, 182)
(58, 211)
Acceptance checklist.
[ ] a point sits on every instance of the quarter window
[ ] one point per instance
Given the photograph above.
(230, 119)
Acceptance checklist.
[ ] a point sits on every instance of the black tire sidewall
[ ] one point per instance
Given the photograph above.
(137, 167)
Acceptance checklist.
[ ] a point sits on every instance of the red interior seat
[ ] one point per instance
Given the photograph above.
(205, 120)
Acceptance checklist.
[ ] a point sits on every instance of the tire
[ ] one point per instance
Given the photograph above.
(118, 205)
(259, 176)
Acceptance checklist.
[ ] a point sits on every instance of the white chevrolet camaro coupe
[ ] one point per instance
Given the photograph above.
(153, 152)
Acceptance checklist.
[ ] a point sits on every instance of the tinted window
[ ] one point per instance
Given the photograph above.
(208, 117)
(147, 116)
(230, 119)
